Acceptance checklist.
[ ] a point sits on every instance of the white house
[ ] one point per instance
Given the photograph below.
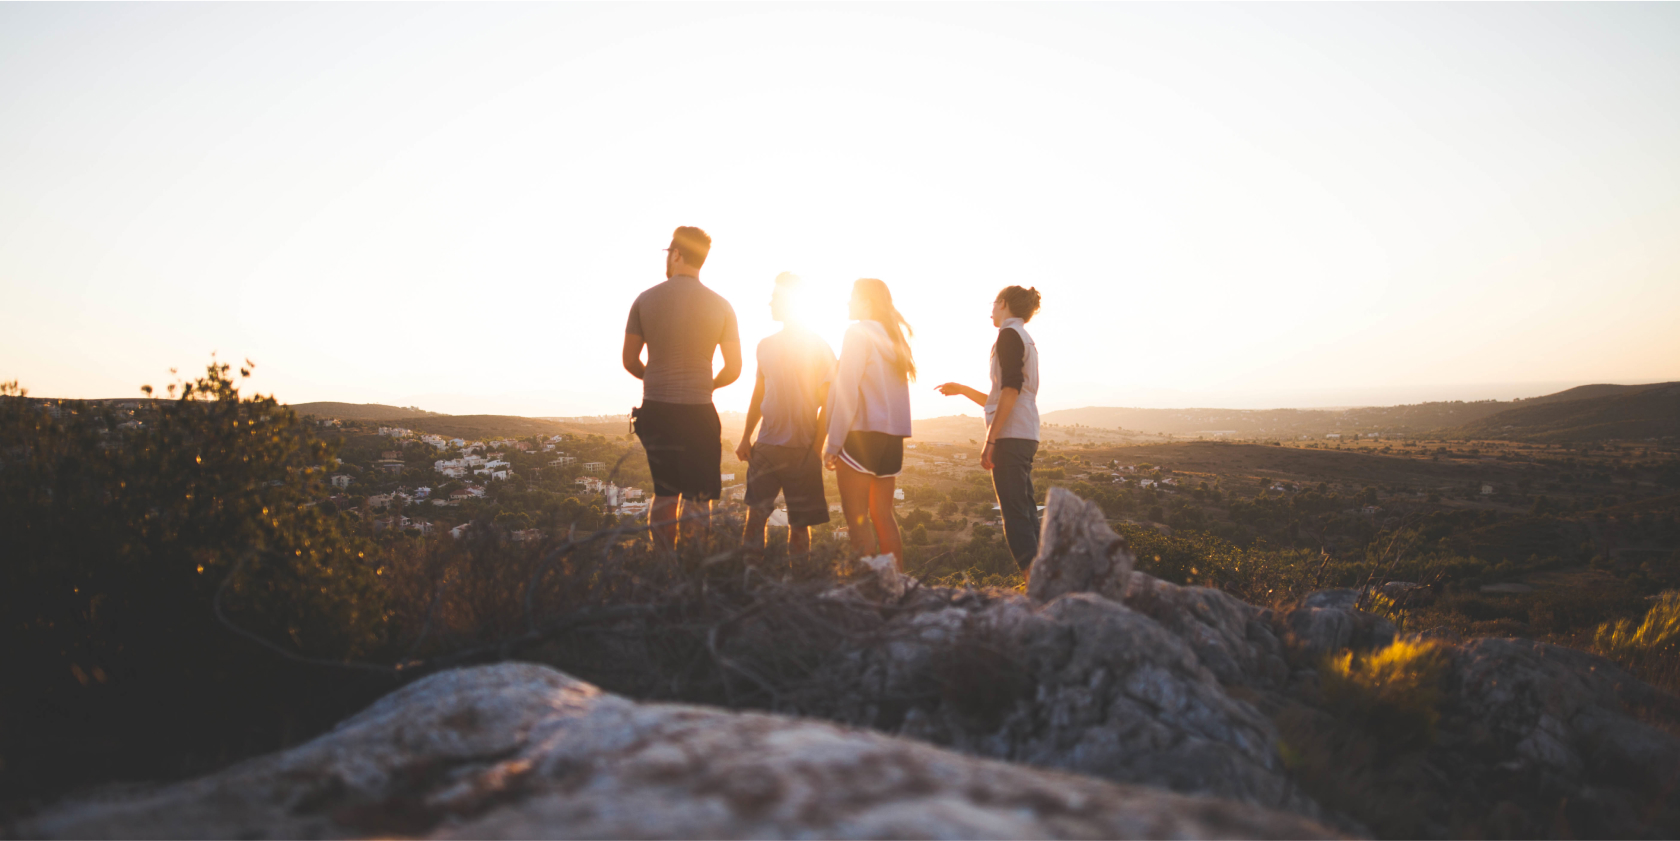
(459, 530)
(340, 480)
(1334, 435)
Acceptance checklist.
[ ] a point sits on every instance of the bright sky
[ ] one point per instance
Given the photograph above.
(454, 205)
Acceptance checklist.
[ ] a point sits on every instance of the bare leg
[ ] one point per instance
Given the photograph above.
(854, 506)
(664, 510)
(799, 540)
(696, 523)
(886, 524)
(752, 535)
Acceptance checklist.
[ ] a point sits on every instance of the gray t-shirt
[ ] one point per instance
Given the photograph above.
(795, 365)
(683, 323)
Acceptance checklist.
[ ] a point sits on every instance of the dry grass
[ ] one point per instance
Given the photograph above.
(1650, 648)
(1394, 693)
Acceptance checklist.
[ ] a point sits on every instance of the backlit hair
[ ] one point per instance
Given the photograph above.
(693, 244)
(1022, 303)
(878, 306)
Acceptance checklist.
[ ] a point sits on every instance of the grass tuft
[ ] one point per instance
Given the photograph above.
(1393, 694)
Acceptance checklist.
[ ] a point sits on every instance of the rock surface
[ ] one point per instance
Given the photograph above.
(523, 751)
(1077, 551)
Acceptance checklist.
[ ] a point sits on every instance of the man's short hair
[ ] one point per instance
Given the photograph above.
(693, 244)
(788, 281)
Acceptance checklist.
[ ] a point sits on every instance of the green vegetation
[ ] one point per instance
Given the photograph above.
(127, 529)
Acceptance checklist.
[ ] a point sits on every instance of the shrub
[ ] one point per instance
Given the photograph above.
(1393, 694)
(119, 537)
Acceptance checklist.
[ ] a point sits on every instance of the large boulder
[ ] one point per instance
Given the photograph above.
(1564, 714)
(1083, 683)
(523, 751)
(1077, 551)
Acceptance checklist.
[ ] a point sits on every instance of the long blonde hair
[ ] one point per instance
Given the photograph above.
(878, 306)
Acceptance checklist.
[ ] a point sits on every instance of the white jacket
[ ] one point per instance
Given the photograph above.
(869, 394)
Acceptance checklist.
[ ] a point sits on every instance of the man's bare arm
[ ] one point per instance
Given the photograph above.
(822, 419)
(633, 355)
(731, 365)
(755, 409)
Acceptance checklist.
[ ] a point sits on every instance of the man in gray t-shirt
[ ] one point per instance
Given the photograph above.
(795, 368)
(682, 323)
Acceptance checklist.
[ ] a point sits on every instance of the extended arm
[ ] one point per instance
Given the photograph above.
(633, 355)
(955, 389)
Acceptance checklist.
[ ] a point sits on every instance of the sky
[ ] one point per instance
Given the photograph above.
(453, 206)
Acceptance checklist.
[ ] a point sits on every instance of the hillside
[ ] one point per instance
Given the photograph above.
(1628, 412)
(1455, 416)
(483, 426)
(1414, 419)
(360, 411)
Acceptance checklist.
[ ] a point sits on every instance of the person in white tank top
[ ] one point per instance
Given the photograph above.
(1011, 419)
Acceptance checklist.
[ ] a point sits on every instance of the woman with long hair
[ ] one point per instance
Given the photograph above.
(870, 418)
(1011, 419)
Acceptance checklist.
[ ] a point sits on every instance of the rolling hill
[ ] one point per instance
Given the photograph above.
(360, 411)
(1625, 412)
(1414, 419)
(1448, 418)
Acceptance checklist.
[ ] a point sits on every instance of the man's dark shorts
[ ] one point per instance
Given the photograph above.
(684, 443)
(795, 472)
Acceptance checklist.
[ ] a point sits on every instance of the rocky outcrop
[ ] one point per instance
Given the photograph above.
(523, 751)
(1077, 551)
(1083, 683)
(1528, 721)
(1330, 621)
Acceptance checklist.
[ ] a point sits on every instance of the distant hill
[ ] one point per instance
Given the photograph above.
(952, 429)
(1448, 418)
(485, 426)
(1416, 419)
(1624, 412)
(360, 411)
(1582, 392)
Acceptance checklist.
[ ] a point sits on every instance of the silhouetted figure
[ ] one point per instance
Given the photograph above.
(1011, 419)
(795, 368)
(681, 322)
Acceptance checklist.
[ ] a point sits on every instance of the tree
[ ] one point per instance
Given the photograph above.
(118, 541)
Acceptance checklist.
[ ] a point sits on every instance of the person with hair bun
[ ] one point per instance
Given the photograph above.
(1011, 419)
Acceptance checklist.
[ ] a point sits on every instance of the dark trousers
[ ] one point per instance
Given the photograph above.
(1012, 461)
